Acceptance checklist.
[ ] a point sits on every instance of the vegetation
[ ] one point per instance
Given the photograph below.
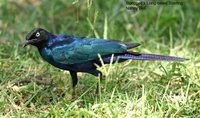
(130, 89)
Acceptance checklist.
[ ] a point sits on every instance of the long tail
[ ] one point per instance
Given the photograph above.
(144, 56)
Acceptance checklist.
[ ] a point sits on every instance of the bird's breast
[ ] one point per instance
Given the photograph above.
(46, 54)
(82, 67)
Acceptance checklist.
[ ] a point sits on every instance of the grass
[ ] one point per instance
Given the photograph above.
(130, 89)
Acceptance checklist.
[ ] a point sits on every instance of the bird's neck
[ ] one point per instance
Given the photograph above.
(47, 43)
(51, 36)
(44, 50)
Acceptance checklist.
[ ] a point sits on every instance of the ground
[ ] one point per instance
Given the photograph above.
(129, 89)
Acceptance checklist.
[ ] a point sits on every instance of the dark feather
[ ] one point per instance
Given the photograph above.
(144, 56)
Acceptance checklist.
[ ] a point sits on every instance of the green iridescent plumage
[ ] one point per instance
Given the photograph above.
(84, 50)
(78, 54)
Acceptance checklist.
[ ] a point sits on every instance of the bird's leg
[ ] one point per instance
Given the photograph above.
(100, 77)
(74, 80)
(99, 74)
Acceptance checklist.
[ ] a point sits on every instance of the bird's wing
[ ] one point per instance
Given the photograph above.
(84, 50)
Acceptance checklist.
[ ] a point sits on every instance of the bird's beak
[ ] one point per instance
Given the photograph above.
(27, 42)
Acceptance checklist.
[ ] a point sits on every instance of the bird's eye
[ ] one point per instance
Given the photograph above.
(37, 34)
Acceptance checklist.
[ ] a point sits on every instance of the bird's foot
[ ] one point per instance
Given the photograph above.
(73, 92)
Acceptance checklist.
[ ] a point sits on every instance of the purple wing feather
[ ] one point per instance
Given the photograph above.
(143, 56)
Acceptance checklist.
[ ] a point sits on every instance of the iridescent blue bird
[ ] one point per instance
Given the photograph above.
(79, 54)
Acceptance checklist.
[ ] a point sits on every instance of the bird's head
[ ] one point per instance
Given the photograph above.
(36, 37)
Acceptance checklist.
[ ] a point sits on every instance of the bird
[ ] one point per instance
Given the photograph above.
(80, 54)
